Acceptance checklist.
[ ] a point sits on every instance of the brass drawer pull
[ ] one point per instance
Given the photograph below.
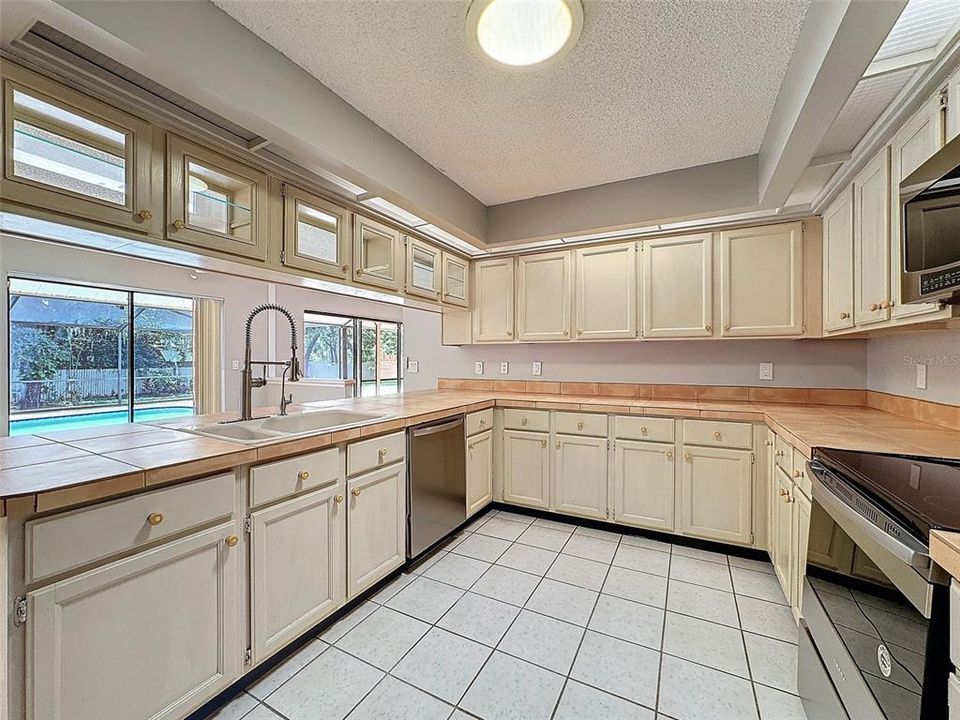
(844, 315)
(797, 473)
(543, 443)
(179, 224)
(155, 518)
(483, 421)
(232, 541)
(356, 492)
(579, 426)
(381, 454)
(717, 436)
(782, 492)
(669, 454)
(708, 327)
(338, 499)
(643, 430)
(688, 457)
(523, 422)
(303, 475)
(344, 268)
(145, 215)
(874, 307)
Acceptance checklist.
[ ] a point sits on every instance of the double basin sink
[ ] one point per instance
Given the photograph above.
(282, 427)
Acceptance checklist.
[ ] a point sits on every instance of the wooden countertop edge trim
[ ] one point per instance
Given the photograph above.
(945, 550)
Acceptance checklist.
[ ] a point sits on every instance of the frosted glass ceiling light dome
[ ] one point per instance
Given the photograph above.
(524, 33)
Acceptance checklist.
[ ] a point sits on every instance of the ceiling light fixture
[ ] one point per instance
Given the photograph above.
(523, 33)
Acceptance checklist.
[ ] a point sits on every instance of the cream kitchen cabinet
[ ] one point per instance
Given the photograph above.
(424, 269)
(644, 484)
(377, 254)
(65, 150)
(479, 471)
(580, 476)
(297, 574)
(456, 280)
(544, 292)
(317, 235)
(677, 281)
(950, 94)
(605, 292)
(526, 468)
(376, 531)
(761, 281)
(800, 537)
(871, 242)
(838, 263)
(151, 636)
(716, 496)
(493, 296)
(215, 202)
(781, 533)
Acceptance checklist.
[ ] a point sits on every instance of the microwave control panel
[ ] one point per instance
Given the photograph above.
(940, 280)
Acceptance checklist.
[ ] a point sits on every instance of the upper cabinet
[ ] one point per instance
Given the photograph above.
(66, 151)
(377, 254)
(678, 286)
(493, 316)
(456, 280)
(761, 281)
(871, 242)
(543, 296)
(838, 263)
(316, 234)
(952, 98)
(424, 269)
(606, 292)
(215, 202)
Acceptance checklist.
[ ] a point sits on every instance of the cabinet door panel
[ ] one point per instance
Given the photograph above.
(871, 241)
(526, 468)
(606, 292)
(456, 280)
(151, 636)
(678, 286)
(493, 300)
(716, 494)
(829, 546)
(376, 528)
(424, 269)
(644, 484)
(316, 234)
(543, 296)
(761, 281)
(838, 263)
(377, 254)
(296, 567)
(784, 530)
(580, 486)
(479, 471)
(801, 538)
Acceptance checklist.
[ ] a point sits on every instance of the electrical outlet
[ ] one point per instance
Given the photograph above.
(921, 376)
(766, 371)
(235, 364)
(504, 368)
(413, 366)
(478, 368)
(537, 368)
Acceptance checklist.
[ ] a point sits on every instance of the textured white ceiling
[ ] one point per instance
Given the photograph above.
(650, 87)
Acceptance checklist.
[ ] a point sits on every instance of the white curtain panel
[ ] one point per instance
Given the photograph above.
(208, 355)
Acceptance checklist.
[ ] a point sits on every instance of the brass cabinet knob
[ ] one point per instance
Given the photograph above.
(179, 224)
(844, 315)
(579, 332)
(543, 443)
(874, 307)
(708, 327)
(483, 421)
(797, 473)
(471, 446)
(155, 518)
(782, 492)
(768, 443)
(786, 497)
(145, 215)
(669, 454)
(579, 426)
(523, 421)
(688, 457)
(726, 326)
(779, 453)
(558, 444)
(643, 431)
(303, 475)
(338, 499)
(717, 436)
(566, 333)
(232, 540)
(359, 271)
(356, 492)
(381, 453)
(344, 268)
(885, 304)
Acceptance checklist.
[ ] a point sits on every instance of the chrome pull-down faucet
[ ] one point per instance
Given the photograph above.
(292, 365)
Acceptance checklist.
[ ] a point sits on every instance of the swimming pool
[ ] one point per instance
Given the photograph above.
(29, 426)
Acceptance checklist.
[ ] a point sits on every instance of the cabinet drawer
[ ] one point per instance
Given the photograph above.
(59, 543)
(526, 420)
(799, 474)
(713, 433)
(955, 623)
(479, 421)
(653, 429)
(286, 477)
(374, 453)
(582, 424)
(783, 455)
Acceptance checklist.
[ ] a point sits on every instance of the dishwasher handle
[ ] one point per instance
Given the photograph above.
(431, 429)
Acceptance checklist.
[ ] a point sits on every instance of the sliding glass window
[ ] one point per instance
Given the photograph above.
(332, 351)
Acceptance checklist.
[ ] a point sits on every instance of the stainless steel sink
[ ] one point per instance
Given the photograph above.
(282, 427)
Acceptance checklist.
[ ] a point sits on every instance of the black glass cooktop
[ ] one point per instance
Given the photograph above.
(923, 492)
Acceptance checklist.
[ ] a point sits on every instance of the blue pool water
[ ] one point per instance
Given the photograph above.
(72, 422)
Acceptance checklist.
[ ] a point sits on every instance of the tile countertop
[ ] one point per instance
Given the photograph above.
(73, 466)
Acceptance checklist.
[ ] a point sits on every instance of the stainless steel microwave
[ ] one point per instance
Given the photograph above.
(930, 229)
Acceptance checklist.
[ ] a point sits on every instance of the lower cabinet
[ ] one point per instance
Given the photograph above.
(644, 484)
(376, 533)
(296, 567)
(150, 636)
(526, 468)
(801, 537)
(580, 486)
(479, 471)
(716, 495)
(781, 532)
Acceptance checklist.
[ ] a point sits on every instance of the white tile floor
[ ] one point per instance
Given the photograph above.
(523, 618)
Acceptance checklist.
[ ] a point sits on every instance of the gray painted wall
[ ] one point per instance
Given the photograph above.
(891, 365)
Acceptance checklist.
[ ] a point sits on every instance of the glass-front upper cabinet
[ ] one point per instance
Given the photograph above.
(423, 269)
(456, 280)
(215, 202)
(66, 152)
(316, 234)
(377, 254)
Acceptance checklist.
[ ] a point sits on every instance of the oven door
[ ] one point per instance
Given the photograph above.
(877, 623)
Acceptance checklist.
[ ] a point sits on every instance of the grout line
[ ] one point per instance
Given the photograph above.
(663, 632)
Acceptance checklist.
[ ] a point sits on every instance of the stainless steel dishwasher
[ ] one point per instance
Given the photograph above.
(436, 483)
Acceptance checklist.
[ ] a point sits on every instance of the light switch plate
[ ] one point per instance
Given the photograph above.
(478, 368)
(413, 366)
(921, 376)
(235, 364)
(537, 368)
(504, 368)
(766, 371)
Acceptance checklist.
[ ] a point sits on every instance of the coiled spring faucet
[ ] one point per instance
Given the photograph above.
(249, 381)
